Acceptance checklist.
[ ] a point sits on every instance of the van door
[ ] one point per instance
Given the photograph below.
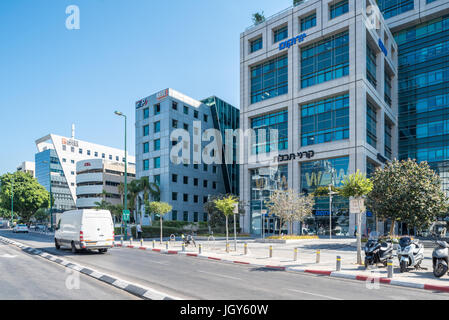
(97, 230)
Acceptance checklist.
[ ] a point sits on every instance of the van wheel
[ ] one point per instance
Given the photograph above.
(74, 249)
(57, 244)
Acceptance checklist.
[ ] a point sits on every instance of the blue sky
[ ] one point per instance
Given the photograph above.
(51, 77)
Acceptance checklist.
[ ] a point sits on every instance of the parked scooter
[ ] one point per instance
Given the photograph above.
(440, 258)
(410, 254)
(377, 251)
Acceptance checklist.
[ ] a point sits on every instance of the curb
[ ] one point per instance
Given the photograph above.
(332, 274)
(137, 290)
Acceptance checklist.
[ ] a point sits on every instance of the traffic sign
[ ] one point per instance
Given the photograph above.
(125, 215)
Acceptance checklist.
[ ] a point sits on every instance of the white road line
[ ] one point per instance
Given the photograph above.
(219, 275)
(315, 294)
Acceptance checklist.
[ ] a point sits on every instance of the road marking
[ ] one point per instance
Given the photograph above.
(219, 275)
(315, 294)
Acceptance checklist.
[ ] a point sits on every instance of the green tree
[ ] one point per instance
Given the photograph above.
(258, 17)
(158, 208)
(42, 215)
(226, 207)
(408, 192)
(357, 186)
(29, 195)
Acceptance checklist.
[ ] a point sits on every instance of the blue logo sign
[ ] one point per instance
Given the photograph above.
(382, 47)
(292, 41)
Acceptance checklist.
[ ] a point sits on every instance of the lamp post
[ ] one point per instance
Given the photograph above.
(121, 114)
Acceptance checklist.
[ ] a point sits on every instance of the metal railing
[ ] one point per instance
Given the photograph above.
(276, 14)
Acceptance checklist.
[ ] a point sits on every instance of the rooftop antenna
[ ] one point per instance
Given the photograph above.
(73, 131)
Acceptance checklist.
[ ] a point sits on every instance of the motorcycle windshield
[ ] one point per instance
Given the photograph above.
(405, 242)
(374, 236)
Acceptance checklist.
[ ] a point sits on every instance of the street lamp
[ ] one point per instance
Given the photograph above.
(12, 200)
(121, 114)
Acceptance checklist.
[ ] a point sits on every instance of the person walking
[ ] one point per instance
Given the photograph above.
(139, 231)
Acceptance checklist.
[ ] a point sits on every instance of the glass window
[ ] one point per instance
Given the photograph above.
(157, 126)
(391, 8)
(269, 79)
(157, 144)
(157, 180)
(174, 123)
(174, 215)
(174, 196)
(157, 162)
(186, 180)
(174, 105)
(325, 60)
(146, 147)
(256, 45)
(280, 34)
(262, 126)
(146, 113)
(186, 216)
(157, 109)
(195, 217)
(371, 124)
(371, 65)
(387, 140)
(308, 22)
(146, 130)
(339, 8)
(186, 110)
(146, 164)
(195, 114)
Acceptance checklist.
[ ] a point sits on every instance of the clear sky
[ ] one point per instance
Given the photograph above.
(51, 77)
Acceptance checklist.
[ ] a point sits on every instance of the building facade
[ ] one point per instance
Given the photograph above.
(178, 166)
(323, 75)
(56, 165)
(421, 30)
(28, 167)
(98, 180)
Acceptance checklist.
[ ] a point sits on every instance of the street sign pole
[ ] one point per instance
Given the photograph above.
(12, 200)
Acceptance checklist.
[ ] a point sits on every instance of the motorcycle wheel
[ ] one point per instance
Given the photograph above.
(403, 266)
(440, 269)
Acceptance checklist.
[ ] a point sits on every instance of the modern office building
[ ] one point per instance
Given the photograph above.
(56, 162)
(27, 167)
(323, 74)
(99, 179)
(421, 31)
(179, 166)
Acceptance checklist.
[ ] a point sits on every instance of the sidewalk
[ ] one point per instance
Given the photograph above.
(283, 258)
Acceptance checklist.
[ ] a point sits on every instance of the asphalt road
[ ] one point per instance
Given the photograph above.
(27, 277)
(193, 278)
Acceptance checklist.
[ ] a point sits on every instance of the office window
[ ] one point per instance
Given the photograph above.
(308, 22)
(157, 144)
(103, 155)
(146, 147)
(157, 162)
(371, 65)
(205, 117)
(195, 166)
(325, 120)
(214, 169)
(174, 123)
(195, 217)
(72, 149)
(186, 216)
(117, 158)
(186, 127)
(280, 34)
(64, 148)
(391, 8)
(196, 114)
(72, 161)
(174, 196)
(146, 113)
(205, 217)
(157, 126)
(255, 45)
(205, 199)
(157, 180)
(157, 109)
(186, 110)
(64, 160)
(269, 79)
(146, 130)
(185, 180)
(262, 126)
(174, 215)
(214, 185)
(146, 164)
(195, 198)
(387, 89)
(195, 181)
(387, 140)
(204, 167)
(337, 9)
(371, 124)
(205, 183)
(96, 154)
(80, 151)
(174, 178)
(88, 152)
(110, 157)
(174, 105)
(185, 197)
(325, 60)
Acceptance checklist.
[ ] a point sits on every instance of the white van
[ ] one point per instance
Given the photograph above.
(85, 229)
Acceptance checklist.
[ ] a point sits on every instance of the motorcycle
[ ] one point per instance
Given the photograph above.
(410, 254)
(377, 251)
(440, 259)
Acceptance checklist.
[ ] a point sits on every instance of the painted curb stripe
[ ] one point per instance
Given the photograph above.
(213, 258)
(240, 262)
(192, 255)
(172, 252)
(321, 272)
(275, 267)
(142, 248)
(157, 250)
(438, 288)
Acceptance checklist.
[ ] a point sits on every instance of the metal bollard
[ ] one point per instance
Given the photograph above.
(166, 245)
(390, 268)
(183, 247)
(121, 240)
(338, 263)
(227, 247)
(131, 241)
(271, 251)
(199, 248)
(245, 248)
(154, 243)
(295, 254)
(318, 253)
(141, 242)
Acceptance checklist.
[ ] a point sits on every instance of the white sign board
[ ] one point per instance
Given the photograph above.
(354, 206)
(236, 208)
